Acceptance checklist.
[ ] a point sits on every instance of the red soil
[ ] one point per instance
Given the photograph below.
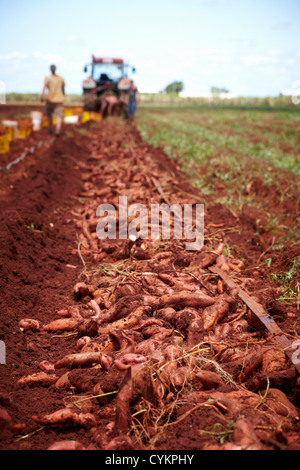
(47, 206)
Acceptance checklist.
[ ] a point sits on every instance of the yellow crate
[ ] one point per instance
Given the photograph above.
(23, 132)
(95, 116)
(45, 122)
(86, 116)
(4, 144)
(77, 109)
(8, 131)
(11, 132)
(68, 112)
(25, 128)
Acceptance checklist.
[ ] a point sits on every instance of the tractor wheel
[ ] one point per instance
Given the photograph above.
(90, 102)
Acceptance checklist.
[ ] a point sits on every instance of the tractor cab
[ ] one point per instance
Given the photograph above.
(105, 72)
(106, 75)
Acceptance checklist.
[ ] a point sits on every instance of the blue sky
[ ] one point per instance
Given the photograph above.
(250, 47)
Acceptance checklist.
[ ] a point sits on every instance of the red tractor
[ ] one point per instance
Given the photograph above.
(107, 87)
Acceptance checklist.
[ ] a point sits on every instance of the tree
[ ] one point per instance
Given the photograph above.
(174, 87)
(217, 90)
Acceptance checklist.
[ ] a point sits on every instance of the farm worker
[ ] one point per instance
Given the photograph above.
(132, 100)
(55, 99)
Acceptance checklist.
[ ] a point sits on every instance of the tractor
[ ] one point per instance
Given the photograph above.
(106, 89)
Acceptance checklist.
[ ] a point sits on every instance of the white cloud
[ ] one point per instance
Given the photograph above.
(186, 57)
(190, 57)
(283, 25)
(72, 39)
(259, 60)
(272, 58)
(13, 55)
(55, 58)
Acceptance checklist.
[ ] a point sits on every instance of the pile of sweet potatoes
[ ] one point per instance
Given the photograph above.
(156, 338)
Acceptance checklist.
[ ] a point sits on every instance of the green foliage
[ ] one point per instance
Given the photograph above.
(285, 278)
(217, 90)
(231, 148)
(35, 98)
(174, 87)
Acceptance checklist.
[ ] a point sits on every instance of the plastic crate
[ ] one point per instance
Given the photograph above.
(25, 128)
(23, 132)
(77, 109)
(11, 133)
(86, 116)
(45, 122)
(68, 112)
(12, 126)
(4, 143)
(95, 116)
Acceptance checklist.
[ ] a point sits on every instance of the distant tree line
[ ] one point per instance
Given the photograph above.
(174, 87)
(217, 90)
(35, 98)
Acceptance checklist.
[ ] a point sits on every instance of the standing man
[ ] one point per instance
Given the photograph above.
(55, 99)
(133, 91)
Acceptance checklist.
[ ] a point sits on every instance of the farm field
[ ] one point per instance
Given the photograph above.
(245, 159)
(141, 344)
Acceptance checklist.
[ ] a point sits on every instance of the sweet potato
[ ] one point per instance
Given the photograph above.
(179, 300)
(104, 344)
(151, 348)
(96, 308)
(81, 289)
(88, 327)
(99, 393)
(168, 314)
(46, 365)
(222, 263)
(209, 379)
(244, 435)
(214, 313)
(250, 363)
(29, 324)
(75, 312)
(63, 382)
(121, 341)
(148, 322)
(83, 359)
(62, 324)
(123, 416)
(67, 445)
(167, 279)
(39, 378)
(86, 231)
(119, 443)
(66, 416)
(127, 360)
(124, 323)
(124, 290)
(154, 330)
(83, 341)
(273, 359)
(64, 312)
(125, 306)
(278, 402)
(180, 376)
